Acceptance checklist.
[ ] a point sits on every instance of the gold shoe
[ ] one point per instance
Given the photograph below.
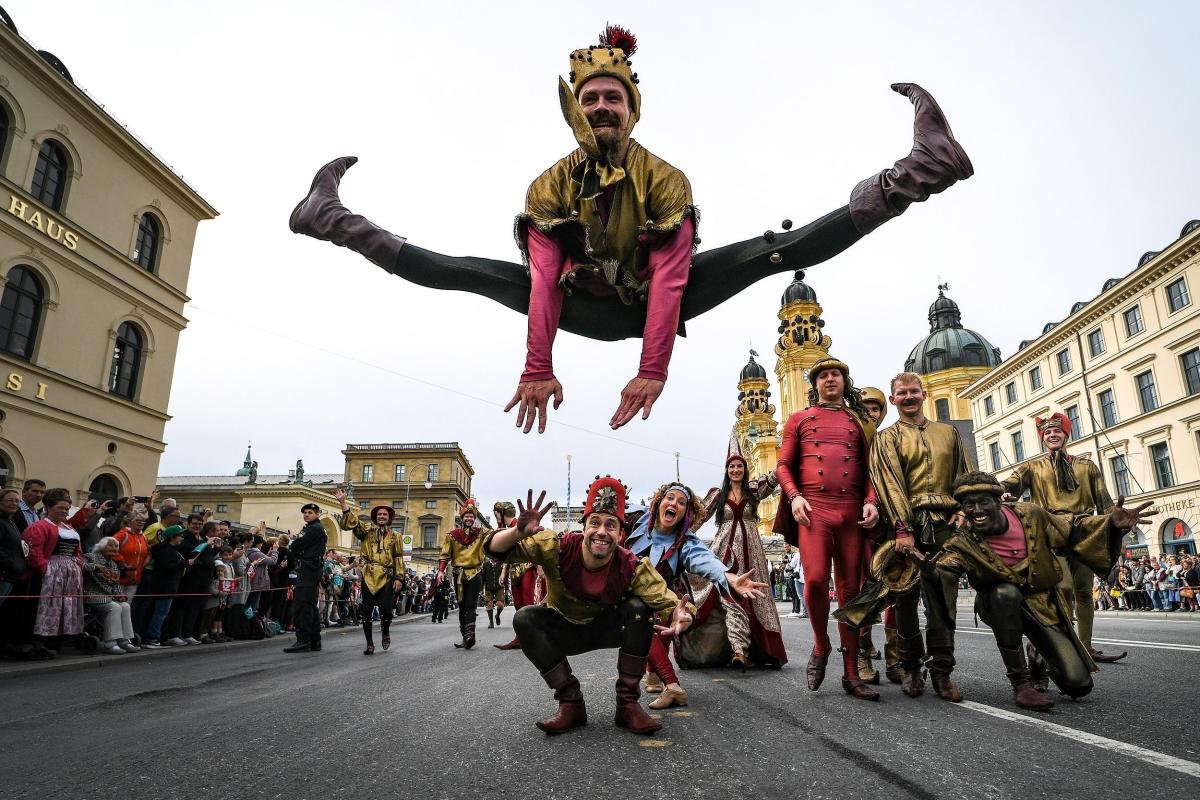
(670, 697)
(654, 684)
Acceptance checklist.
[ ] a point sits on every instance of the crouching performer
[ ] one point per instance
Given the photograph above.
(598, 595)
(1007, 551)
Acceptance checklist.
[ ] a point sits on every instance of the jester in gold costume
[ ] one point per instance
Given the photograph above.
(608, 233)
(382, 562)
(1062, 483)
(1008, 552)
(462, 552)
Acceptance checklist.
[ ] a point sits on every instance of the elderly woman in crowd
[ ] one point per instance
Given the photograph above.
(104, 594)
(55, 569)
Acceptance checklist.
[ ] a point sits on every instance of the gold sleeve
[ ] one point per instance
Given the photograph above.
(447, 552)
(887, 475)
(670, 201)
(949, 560)
(351, 522)
(651, 589)
(398, 555)
(537, 549)
(1017, 483)
(1104, 501)
(1091, 539)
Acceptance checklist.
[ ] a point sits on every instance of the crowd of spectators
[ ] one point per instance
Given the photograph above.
(132, 573)
(1151, 583)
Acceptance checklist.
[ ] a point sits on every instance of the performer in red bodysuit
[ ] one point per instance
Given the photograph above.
(823, 476)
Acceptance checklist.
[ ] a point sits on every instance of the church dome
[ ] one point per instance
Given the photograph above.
(798, 291)
(753, 370)
(949, 344)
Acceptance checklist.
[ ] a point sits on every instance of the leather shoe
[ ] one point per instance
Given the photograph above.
(859, 689)
(299, 647)
(815, 670)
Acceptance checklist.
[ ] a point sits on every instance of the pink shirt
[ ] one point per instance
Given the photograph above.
(1010, 545)
(670, 260)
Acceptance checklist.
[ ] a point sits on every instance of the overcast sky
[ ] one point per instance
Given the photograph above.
(1080, 118)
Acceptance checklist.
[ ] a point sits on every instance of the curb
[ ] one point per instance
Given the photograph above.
(21, 669)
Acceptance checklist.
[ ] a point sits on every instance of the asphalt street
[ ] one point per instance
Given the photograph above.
(425, 720)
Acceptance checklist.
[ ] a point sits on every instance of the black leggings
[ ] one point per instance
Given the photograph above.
(185, 616)
(467, 603)
(385, 598)
(1002, 607)
(547, 637)
(716, 275)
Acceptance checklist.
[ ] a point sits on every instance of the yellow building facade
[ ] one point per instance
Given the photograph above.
(426, 483)
(96, 237)
(1124, 367)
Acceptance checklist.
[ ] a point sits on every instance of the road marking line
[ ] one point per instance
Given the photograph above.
(1184, 648)
(1133, 751)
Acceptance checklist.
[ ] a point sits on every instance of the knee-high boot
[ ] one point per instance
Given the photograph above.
(866, 671)
(941, 663)
(910, 650)
(571, 712)
(630, 714)
(1025, 694)
(891, 657)
(370, 637)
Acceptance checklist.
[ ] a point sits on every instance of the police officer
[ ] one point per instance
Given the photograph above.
(308, 552)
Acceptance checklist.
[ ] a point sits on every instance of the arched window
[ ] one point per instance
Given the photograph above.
(50, 175)
(146, 251)
(104, 487)
(126, 361)
(5, 122)
(20, 311)
(5, 470)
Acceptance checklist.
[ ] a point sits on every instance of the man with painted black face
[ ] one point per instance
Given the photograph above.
(914, 464)
(1007, 551)
(1062, 483)
(598, 595)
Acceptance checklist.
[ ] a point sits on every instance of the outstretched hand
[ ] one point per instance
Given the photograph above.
(681, 620)
(529, 517)
(638, 395)
(533, 397)
(1126, 518)
(745, 585)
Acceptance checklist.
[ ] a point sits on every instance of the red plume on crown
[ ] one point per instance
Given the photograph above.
(616, 36)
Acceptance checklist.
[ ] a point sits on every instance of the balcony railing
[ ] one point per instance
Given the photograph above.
(406, 446)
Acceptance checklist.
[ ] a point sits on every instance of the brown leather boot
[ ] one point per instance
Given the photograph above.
(515, 644)
(935, 164)
(571, 713)
(815, 671)
(910, 650)
(940, 644)
(321, 215)
(891, 658)
(629, 713)
(851, 683)
(1025, 694)
(1039, 672)
(865, 669)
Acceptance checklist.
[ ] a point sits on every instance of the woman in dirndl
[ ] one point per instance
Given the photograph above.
(56, 558)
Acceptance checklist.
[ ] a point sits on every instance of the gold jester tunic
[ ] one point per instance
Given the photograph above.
(914, 468)
(1091, 539)
(381, 552)
(541, 550)
(650, 196)
(1039, 478)
(465, 555)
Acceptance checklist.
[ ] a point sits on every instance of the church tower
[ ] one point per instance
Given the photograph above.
(756, 429)
(802, 342)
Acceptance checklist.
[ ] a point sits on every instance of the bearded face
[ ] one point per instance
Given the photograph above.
(605, 103)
